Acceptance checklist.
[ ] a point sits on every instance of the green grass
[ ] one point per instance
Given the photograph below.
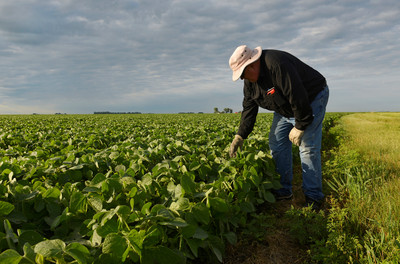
(362, 173)
(375, 135)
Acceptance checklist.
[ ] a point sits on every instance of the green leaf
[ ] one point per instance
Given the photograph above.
(146, 208)
(216, 246)
(95, 201)
(114, 155)
(247, 207)
(5, 208)
(110, 226)
(9, 231)
(78, 203)
(29, 236)
(218, 204)
(268, 196)
(153, 236)
(10, 256)
(136, 239)
(180, 205)
(177, 222)
(52, 193)
(77, 167)
(79, 252)
(194, 166)
(147, 180)
(95, 239)
(59, 219)
(194, 245)
(187, 182)
(189, 230)
(201, 213)
(123, 211)
(98, 179)
(178, 192)
(29, 253)
(50, 248)
(200, 234)
(255, 178)
(162, 255)
(231, 237)
(114, 244)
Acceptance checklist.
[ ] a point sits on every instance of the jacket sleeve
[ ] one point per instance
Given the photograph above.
(293, 89)
(249, 113)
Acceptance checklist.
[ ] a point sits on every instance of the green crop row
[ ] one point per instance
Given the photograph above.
(127, 188)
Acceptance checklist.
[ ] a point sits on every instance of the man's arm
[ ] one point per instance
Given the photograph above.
(249, 113)
(248, 119)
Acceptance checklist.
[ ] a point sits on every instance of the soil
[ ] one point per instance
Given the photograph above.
(277, 247)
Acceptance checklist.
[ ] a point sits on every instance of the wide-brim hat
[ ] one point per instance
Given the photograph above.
(242, 57)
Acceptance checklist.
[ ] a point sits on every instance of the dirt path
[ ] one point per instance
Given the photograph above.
(277, 247)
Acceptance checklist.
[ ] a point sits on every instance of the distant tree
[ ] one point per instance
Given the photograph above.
(216, 110)
(227, 110)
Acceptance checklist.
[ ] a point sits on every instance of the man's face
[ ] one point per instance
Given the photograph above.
(251, 72)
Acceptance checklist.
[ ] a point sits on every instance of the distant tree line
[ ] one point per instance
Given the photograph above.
(226, 110)
(108, 112)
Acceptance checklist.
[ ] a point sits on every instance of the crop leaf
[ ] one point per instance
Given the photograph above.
(268, 196)
(153, 236)
(216, 246)
(5, 208)
(95, 201)
(115, 245)
(200, 234)
(201, 213)
(78, 251)
(109, 226)
(52, 193)
(194, 245)
(29, 236)
(218, 204)
(180, 205)
(9, 232)
(78, 203)
(10, 256)
(29, 253)
(231, 237)
(177, 222)
(50, 248)
(162, 255)
(188, 184)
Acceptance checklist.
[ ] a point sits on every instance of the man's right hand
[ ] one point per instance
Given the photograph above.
(236, 143)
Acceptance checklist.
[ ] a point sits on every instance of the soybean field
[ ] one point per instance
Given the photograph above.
(145, 188)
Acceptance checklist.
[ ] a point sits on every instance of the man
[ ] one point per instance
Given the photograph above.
(298, 95)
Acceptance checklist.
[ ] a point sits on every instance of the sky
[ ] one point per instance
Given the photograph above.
(170, 56)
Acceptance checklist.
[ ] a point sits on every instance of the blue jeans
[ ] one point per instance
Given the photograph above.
(310, 149)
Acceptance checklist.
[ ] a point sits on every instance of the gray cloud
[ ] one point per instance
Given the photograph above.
(172, 55)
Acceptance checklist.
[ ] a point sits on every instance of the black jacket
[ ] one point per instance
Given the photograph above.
(285, 85)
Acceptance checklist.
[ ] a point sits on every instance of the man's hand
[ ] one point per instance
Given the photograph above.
(236, 143)
(295, 136)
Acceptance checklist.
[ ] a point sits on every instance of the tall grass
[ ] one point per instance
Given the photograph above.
(375, 135)
(364, 173)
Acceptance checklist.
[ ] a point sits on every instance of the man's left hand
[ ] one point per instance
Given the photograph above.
(295, 136)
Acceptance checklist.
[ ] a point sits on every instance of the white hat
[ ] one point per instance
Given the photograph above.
(242, 57)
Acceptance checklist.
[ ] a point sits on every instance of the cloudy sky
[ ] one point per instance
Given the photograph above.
(169, 56)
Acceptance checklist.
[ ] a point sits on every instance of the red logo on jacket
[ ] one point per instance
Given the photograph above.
(271, 91)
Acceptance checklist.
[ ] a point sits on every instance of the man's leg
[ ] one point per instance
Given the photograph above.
(281, 151)
(310, 149)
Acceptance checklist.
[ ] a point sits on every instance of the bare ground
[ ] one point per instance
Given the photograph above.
(277, 247)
